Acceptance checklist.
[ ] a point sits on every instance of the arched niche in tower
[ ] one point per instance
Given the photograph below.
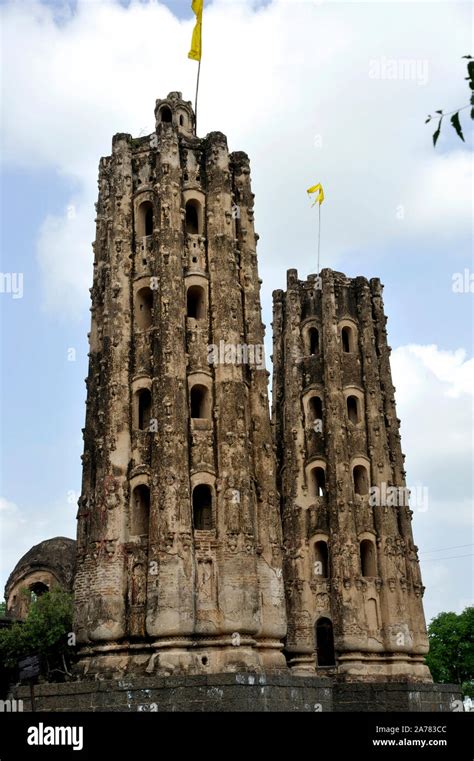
(202, 507)
(183, 120)
(196, 297)
(142, 404)
(347, 330)
(360, 468)
(203, 501)
(200, 402)
(324, 636)
(311, 338)
(196, 302)
(320, 557)
(372, 614)
(143, 307)
(165, 115)
(200, 399)
(368, 557)
(354, 405)
(145, 219)
(139, 506)
(316, 479)
(144, 212)
(194, 205)
(313, 409)
(193, 212)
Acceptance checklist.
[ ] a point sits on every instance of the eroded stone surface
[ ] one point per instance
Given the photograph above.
(351, 566)
(179, 534)
(195, 519)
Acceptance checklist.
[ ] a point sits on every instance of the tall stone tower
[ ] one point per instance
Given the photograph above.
(179, 534)
(352, 578)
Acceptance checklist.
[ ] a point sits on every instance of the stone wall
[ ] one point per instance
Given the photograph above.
(242, 692)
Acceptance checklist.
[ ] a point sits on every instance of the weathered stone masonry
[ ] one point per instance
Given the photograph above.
(352, 578)
(179, 535)
(180, 549)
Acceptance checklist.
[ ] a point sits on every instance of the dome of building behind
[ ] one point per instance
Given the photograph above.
(47, 564)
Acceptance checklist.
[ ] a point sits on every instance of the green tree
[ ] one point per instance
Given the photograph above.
(451, 656)
(44, 632)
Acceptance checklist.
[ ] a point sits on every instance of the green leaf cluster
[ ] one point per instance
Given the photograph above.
(44, 632)
(451, 655)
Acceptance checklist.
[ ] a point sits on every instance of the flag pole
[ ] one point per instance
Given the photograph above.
(319, 232)
(196, 98)
(319, 199)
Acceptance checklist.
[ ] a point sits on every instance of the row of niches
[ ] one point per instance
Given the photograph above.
(144, 304)
(202, 507)
(316, 481)
(325, 567)
(146, 217)
(199, 404)
(193, 212)
(313, 409)
(347, 334)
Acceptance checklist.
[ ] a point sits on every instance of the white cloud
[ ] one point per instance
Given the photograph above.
(440, 193)
(17, 535)
(65, 259)
(435, 394)
(287, 82)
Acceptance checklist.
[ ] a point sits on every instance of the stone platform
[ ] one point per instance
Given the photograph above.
(239, 692)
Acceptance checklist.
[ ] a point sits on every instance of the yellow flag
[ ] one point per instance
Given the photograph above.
(195, 52)
(319, 190)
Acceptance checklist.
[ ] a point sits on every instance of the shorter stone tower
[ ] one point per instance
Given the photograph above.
(352, 577)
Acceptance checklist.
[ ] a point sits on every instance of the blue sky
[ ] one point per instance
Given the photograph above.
(288, 82)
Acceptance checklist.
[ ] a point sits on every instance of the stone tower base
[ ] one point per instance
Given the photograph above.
(164, 658)
(239, 692)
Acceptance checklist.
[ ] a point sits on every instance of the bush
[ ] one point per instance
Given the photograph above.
(45, 632)
(451, 656)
